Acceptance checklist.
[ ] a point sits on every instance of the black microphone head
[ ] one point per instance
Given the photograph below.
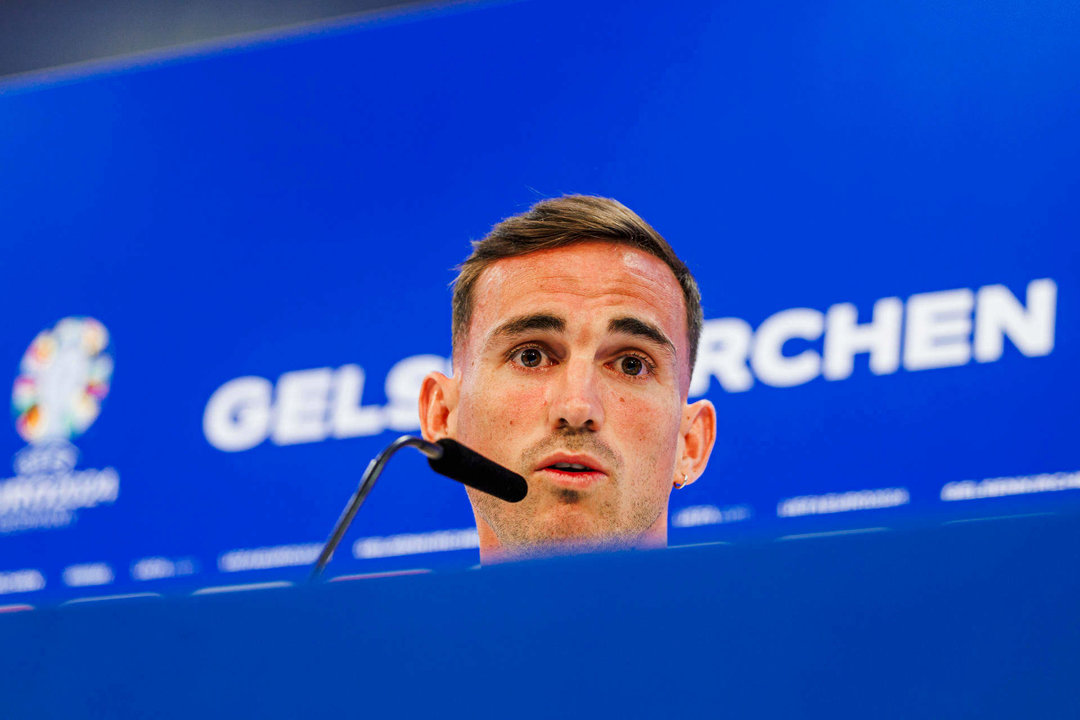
(473, 469)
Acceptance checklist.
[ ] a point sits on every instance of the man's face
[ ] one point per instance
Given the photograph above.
(574, 373)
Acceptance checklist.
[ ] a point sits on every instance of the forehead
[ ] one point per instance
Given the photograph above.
(587, 277)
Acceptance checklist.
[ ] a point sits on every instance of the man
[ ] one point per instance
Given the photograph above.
(575, 328)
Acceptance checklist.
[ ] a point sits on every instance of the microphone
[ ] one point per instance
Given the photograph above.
(447, 457)
(469, 467)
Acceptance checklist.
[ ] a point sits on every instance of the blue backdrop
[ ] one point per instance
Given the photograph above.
(253, 241)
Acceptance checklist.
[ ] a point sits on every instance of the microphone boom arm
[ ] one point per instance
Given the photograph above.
(374, 469)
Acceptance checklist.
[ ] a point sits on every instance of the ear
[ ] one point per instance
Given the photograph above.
(698, 435)
(438, 400)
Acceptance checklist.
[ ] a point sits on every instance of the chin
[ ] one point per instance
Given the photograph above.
(579, 532)
(565, 529)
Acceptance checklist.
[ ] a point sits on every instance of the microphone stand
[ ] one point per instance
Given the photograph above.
(374, 469)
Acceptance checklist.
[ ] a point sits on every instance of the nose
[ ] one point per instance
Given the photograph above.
(575, 397)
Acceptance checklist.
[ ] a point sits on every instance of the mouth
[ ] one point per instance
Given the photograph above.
(576, 472)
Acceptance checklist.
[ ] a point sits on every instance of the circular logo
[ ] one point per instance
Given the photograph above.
(63, 377)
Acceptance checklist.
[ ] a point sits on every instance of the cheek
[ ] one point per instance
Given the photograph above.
(645, 423)
(497, 412)
(524, 402)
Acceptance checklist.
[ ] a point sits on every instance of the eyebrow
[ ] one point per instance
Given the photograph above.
(527, 323)
(640, 328)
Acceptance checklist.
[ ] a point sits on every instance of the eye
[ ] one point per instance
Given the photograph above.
(530, 357)
(633, 366)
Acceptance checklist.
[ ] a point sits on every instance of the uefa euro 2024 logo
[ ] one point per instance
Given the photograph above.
(63, 378)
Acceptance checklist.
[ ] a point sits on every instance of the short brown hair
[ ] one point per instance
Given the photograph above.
(564, 221)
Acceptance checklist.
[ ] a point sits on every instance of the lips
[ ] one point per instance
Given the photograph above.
(572, 470)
